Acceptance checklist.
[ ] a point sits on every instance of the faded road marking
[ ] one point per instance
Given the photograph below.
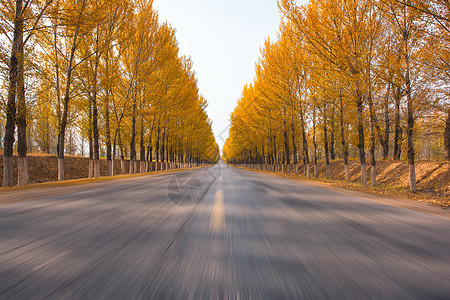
(218, 213)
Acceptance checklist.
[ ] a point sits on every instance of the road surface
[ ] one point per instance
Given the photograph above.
(218, 233)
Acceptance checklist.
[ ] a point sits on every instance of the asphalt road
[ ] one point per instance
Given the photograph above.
(218, 233)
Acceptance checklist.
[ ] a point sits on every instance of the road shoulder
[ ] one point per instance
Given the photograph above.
(406, 203)
(57, 188)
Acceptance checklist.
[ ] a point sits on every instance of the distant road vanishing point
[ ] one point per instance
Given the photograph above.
(246, 235)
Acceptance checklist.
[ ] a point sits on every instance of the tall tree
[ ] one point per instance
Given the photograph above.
(32, 12)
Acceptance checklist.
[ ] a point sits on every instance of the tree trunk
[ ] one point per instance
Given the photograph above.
(122, 153)
(109, 158)
(113, 158)
(117, 140)
(274, 153)
(294, 148)
(91, 143)
(360, 127)
(150, 160)
(21, 111)
(163, 140)
(398, 131)
(343, 138)
(409, 131)
(384, 140)
(57, 72)
(332, 153)
(133, 139)
(150, 157)
(447, 135)
(158, 133)
(316, 171)
(150, 149)
(305, 144)
(96, 136)
(63, 121)
(386, 124)
(287, 159)
(163, 148)
(142, 168)
(373, 172)
(95, 112)
(123, 170)
(91, 159)
(325, 138)
(108, 93)
(9, 139)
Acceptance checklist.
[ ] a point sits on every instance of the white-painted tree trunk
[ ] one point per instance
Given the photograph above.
(96, 168)
(131, 167)
(412, 177)
(7, 176)
(328, 172)
(60, 168)
(373, 175)
(91, 169)
(308, 171)
(109, 167)
(122, 167)
(22, 167)
(363, 174)
(346, 172)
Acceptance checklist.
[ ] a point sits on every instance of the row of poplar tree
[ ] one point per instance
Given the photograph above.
(344, 77)
(106, 70)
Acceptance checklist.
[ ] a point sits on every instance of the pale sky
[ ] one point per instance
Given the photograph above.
(223, 39)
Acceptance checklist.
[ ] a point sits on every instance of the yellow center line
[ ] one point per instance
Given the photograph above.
(218, 213)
